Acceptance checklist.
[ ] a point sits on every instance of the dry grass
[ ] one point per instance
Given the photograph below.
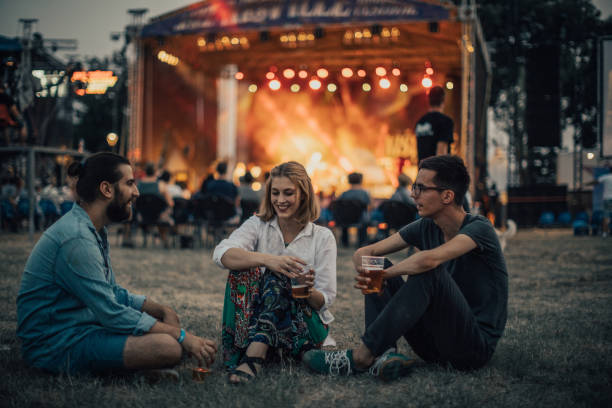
(555, 352)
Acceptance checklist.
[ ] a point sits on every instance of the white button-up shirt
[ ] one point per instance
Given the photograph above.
(314, 244)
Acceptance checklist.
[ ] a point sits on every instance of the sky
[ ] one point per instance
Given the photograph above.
(92, 21)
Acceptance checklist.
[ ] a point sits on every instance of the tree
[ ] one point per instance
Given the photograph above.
(515, 28)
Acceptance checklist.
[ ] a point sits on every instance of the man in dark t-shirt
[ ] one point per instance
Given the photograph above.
(434, 131)
(452, 309)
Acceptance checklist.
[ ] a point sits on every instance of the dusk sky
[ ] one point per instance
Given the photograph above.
(91, 22)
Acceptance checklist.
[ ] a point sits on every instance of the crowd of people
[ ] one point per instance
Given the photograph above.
(452, 309)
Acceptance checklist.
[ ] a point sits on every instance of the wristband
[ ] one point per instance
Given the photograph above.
(181, 336)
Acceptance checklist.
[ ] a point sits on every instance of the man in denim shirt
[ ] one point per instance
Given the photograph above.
(72, 316)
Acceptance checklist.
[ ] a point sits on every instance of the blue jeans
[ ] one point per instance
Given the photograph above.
(430, 311)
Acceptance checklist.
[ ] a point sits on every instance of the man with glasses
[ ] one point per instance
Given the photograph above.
(452, 308)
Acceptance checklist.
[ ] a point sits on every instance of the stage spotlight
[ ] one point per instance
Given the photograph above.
(252, 88)
(332, 87)
(384, 83)
(396, 72)
(347, 72)
(295, 88)
(235, 41)
(403, 88)
(361, 73)
(429, 71)
(239, 75)
(201, 42)
(274, 85)
(381, 71)
(289, 73)
(450, 85)
(270, 75)
(314, 84)
(426, 82)
(303, 74)
(322, 73)
(366, 87)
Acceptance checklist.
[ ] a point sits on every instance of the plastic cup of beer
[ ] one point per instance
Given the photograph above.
(198, 374)
(299, 289)
(373, 267)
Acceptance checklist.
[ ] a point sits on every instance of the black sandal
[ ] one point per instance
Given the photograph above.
(250, 362)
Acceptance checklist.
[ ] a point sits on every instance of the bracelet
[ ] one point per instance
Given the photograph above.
(181, 336)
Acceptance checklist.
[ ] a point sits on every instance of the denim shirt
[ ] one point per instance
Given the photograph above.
(68, 290)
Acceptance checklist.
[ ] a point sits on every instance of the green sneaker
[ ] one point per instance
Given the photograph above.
(334, 363)
(391, 365)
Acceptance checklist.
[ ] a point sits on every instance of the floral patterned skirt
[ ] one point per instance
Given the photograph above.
(258, 307)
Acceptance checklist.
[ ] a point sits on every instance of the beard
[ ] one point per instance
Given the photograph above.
(118, 211)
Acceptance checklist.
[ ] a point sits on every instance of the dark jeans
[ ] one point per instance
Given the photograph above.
(432, 314)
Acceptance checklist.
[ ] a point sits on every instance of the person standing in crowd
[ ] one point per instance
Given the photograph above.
(606, 180)
(150, 184)
(263, 255)
(452, 309)
(95, 325)
(434, 131)
(358, 193)
(10, 118)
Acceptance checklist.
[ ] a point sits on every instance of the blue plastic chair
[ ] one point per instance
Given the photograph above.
(547, 219)
(596, 222)
(582, 216)
(565, 218)
(580, 227)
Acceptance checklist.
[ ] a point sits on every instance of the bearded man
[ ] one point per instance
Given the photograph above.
(72, 316)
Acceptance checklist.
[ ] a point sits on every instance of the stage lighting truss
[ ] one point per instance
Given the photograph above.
(222, 43)
(297, 39)
(373, 35)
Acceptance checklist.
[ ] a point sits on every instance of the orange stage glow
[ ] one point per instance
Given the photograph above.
(270, 75)
(426, 82)
(396, 72)
(381, 71)
(239, 76)
(429, 71)
(361, 73)
(303, 74)
(322, 73)
(384, 83)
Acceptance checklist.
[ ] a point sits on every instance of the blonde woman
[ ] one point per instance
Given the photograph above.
(263, 255)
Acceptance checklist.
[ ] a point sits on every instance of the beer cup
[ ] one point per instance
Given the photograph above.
(198, 374)
(299, 290)
(373, 267)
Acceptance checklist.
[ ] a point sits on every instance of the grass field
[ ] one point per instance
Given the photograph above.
(556, 350)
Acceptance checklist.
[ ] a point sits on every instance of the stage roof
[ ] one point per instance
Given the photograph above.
(241, 15)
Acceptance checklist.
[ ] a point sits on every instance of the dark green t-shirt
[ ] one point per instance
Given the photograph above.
(480, 274)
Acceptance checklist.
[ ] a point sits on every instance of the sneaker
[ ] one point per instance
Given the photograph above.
(334, 363)
(391, 365)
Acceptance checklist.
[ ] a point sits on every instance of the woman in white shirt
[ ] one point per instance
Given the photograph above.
(270, 248)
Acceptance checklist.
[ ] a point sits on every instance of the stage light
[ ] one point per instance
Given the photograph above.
(348, 36)
(274, 85)
(235, 40)
(225, 40)
(450, 85)
(396, 72)
(244, 42)
(284, 38)
(590, 155)
(291, 37)
(295, 88)
(201, 42)
(310, 37)
(429, 71)
(367, 34)
(256, 186)
(366, 87)
(361, 73)
(314, 84)
(384, 83)
(426, 82)
(302, 37)
(322, 73)
(395, 32)
(381, 71)
(288, 73)
(112, 139)
(303, 74)
(347, 72)
(385, 33)
(270, 75)
(403, 88)
(256, 171)
(239, 75)
(332, 87)
(252, 88)
(358, 35)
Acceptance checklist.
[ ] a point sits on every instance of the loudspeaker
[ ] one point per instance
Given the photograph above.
(542, 85)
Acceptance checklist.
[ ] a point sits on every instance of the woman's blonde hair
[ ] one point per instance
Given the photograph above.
(308, 209)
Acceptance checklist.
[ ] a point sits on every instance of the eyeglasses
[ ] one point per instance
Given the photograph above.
(418, 188)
